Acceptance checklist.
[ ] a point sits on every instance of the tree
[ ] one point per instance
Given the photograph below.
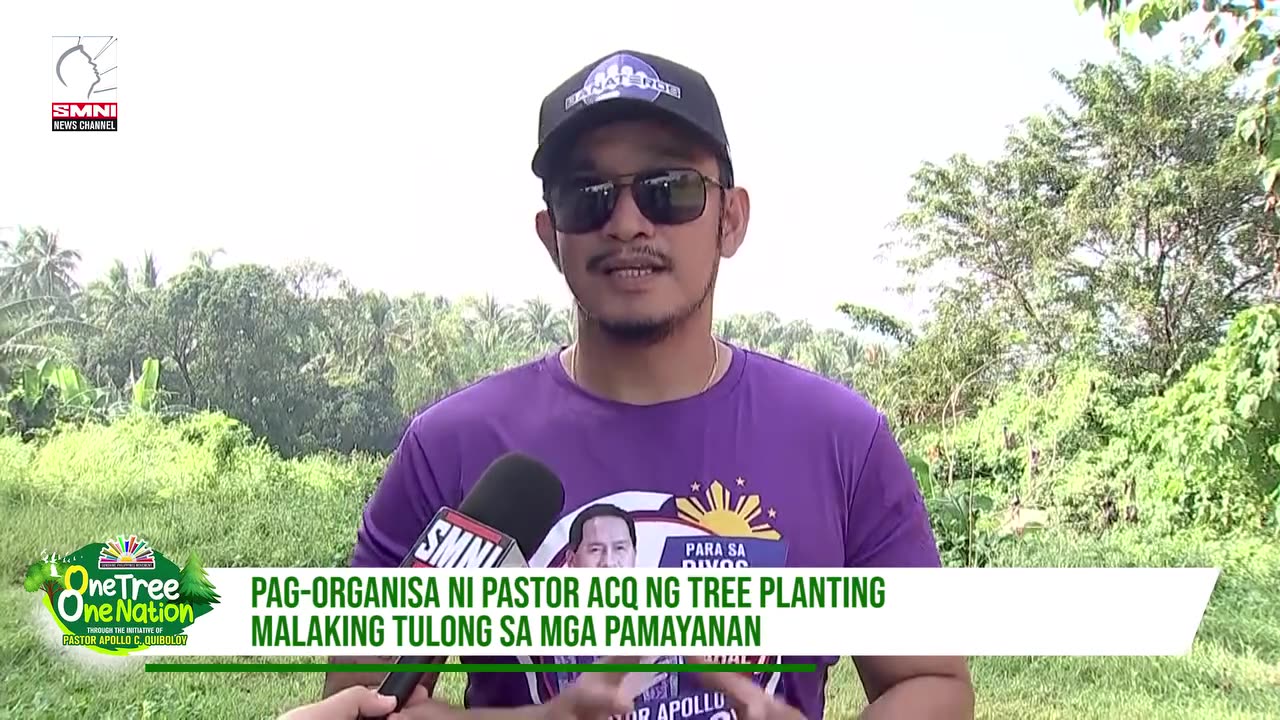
(203, 261)
(40, 577)
(104, 299)
(1125, 228)
(25, 326)
(193, 583)
(309, 362)
(38, 265)
(1246, 26)
(148, 272)
(546, 325)
(958, 359)
(870, 319)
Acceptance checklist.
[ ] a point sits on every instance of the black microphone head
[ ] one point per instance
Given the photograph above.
(517, 496)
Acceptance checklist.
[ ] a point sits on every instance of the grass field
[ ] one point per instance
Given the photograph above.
(304, 514)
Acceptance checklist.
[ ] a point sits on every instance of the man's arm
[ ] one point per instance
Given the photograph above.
(916, 687)
(888, 528)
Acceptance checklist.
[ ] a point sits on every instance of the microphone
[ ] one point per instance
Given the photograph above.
(500, 523)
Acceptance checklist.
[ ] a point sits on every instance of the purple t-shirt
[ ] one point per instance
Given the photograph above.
(771, 466)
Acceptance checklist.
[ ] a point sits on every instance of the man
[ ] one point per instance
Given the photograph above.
(602, 536)
(647, 405)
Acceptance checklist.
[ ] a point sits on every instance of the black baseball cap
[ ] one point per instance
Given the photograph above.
(628, 85)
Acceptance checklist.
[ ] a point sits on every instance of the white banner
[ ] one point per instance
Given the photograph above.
(787, 612)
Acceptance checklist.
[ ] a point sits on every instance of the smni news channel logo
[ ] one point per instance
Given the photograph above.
(84, 82)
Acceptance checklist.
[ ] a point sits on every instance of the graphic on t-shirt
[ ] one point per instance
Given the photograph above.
(713, 527)
(602, 536)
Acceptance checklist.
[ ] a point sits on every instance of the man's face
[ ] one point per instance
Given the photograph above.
(680, 260)
(606, 543)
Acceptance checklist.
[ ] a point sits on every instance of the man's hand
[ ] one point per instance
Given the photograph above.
(593, 696)
(747, 699)
(353, 703)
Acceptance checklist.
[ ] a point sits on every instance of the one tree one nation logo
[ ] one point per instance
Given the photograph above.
(121, 596)
(84, 82)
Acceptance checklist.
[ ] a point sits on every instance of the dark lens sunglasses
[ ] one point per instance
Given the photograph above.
(665, 197)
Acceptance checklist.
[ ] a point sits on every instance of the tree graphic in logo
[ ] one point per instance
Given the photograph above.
(193, 583)
(43, 575)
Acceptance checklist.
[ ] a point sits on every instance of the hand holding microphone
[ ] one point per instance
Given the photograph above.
(351, 704)
(500, 523)
(748, 700)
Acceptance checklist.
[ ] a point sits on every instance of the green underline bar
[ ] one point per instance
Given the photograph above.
(470, 667)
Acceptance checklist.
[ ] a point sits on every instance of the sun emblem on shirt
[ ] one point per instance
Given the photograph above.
(720, 513)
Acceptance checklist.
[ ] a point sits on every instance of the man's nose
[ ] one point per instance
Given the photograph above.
(627, 222)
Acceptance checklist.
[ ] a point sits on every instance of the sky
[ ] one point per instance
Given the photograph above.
(393, 140)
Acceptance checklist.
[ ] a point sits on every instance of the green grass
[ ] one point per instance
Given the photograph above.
(256, 510)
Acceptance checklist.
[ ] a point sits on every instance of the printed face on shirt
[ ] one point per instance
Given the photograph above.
(606, 543)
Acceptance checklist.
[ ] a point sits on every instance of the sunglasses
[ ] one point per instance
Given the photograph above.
(583, 204)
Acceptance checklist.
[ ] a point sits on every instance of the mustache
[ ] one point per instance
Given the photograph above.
(597, 261)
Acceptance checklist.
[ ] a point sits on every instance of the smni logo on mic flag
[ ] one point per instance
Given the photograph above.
(121, 596)
(454, 541)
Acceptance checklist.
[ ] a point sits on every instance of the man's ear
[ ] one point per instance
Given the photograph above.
(737, 213)
(547, 234)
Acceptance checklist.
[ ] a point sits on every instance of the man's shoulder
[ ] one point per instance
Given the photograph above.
(494, 399)
(796, 390)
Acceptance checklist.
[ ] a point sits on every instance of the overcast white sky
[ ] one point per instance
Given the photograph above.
(393, 140)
